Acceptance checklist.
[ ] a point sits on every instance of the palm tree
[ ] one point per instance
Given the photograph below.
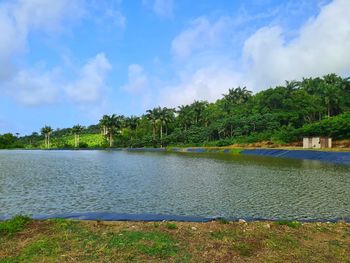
(198, 108)
(77, 130)
(46, 131)
(184, 116)
(153, 116)
(132, 122)
(234, 97)
(169, 117)
(113, 124)
(103, 124)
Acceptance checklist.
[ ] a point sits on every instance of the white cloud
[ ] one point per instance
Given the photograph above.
(43, 14)
(268, 57)
(200, 35)
(107, 13)
(206, 83)
(138, 80)
(321, 47)
(91, 85)
(163, 8)
(35, 87)
(17, 20)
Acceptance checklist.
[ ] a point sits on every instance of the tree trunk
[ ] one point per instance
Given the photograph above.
(48, 141)
(329, 111)
(154, 132)
(161, 131)
(75, 140)
(161, 135)
(110, 140)
(78, 137)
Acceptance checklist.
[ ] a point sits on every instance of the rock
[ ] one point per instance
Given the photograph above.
(242, 221)
(193, 228)
(268, 226)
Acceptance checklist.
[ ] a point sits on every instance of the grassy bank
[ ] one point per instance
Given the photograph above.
(24, 240)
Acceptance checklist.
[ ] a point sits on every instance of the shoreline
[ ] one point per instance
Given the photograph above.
(332, 155)
(123, 217)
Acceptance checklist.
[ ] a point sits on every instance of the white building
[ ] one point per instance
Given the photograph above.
(317, 142)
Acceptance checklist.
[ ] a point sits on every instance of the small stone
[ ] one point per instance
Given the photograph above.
(242, 221)
(268, 226)
(193, 228)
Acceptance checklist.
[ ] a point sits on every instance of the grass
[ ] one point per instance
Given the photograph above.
(171, 225)
(292, 224)
(14, 225)
(24, 240)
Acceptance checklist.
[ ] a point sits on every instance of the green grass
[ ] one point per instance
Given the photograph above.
(153, 243)
(222, 220)
(14, 225)
(171, 225)
(60, 240)
(244, 249)
(292, 224)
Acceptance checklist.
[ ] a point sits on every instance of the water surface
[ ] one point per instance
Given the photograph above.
(210, 185)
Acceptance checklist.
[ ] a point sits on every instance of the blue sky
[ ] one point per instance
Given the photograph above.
(71, 61)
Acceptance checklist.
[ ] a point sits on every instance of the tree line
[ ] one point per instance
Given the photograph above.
(311, 106)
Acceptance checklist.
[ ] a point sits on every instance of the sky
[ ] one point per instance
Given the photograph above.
(68, 62)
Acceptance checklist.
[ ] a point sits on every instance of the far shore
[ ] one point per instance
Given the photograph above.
(329, 155)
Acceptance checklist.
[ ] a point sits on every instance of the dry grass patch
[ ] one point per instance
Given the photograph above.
(96, 241)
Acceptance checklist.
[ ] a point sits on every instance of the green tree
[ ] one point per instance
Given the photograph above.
(113, 125)
(46, 131)
(153, 117)
(77, 130)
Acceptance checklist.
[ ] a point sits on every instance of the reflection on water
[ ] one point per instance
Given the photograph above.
(54, 182)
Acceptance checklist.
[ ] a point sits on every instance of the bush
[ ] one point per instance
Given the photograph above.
(337, 127)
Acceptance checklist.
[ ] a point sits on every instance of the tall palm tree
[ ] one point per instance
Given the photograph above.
(103, 124)
(184, 116)
(235, 96)
(113, 125)
(132, 122)
(77, 130)
(46, 131)
(153, 116)
(198, 108)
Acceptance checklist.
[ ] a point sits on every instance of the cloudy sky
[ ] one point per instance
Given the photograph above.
(65, 62)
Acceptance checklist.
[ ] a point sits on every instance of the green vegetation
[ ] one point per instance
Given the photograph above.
(13, 225)
(171, 225)
(293, 224)
(284, 114)
(62, 240)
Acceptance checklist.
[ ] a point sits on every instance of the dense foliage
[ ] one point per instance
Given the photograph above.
(312, 106)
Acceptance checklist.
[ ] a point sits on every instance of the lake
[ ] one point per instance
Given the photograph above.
(210, 185)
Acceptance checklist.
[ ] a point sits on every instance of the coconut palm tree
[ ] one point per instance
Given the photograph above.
(198, 108)
(77, 130)
(185, 115)
(132, 122)
(113, 125)
(153, 116)
(103, 124)
(46, 131)
(169, 117)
